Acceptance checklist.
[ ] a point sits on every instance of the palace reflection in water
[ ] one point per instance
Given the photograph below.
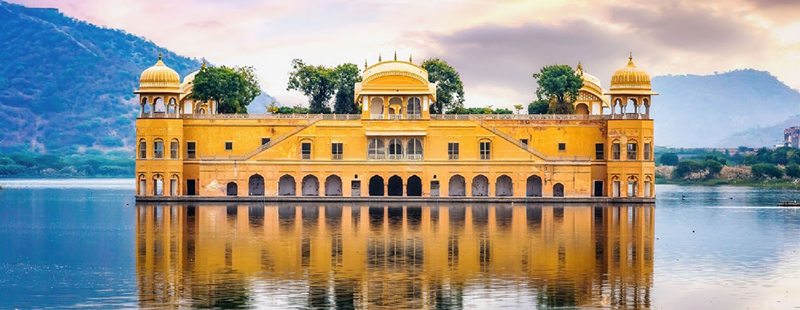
(396, 256)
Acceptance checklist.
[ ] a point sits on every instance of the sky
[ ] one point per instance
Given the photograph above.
(495, 45)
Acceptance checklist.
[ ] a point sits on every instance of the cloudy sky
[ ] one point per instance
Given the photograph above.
(495, 45)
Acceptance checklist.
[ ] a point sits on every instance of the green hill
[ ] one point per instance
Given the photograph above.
(66, 85)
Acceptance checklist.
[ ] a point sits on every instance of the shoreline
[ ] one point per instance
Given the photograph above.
(740, 183)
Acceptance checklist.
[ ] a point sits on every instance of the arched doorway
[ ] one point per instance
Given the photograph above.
(310, 186)
(395, 186)
(376, 186)
(256, 185)
(158, 185)
(558, 190)
(504, 186)
(286, 186)
(533, 187)
(582, 109)
(232, 189)
(457, 186)
(414, 186)
(480, 186)
(333, 186)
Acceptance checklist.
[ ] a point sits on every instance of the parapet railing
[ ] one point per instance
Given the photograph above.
(342, 117)
(466, 117)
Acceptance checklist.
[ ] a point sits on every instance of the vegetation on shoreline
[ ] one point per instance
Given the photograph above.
(779, 167)
(91, 164)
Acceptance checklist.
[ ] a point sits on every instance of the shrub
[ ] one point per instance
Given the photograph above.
(762, 171)
(713, 167)
(686, 168)
(793, 171)
(669, 159)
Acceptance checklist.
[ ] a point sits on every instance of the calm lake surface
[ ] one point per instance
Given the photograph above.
(87, 244)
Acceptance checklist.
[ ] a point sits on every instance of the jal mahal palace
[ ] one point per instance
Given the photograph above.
(395, 147)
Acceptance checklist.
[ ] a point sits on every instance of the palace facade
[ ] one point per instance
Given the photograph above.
(396, 147)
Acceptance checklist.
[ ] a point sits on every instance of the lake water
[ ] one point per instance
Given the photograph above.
(86, 244)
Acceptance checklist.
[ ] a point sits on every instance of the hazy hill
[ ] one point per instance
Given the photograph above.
(697, 111)
(66, 84)
(761, 136)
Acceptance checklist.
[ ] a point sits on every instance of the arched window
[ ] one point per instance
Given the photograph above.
(376, 149)
(414, 109)
(142, 185)
(396, 107)
(158, 185)
(395, 149)
(158, 106)
(173, 185)
(632, 149)
(376, 108)
(142, 149)
(145, 107)
(174, 146)
(414, 149)
(172, 108)
(615, 150)
(158, 148)
(558, 190)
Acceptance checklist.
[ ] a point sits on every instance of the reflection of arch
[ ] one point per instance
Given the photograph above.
(504, 186)
(376, 186)
(310, 186)
(582, 109)
(533, 188)
(395, 186)
(480, 186)
(286, 186)
(376, 106)
(255, 185)
(232, 189)
(457, 186)
(333, 185)
(414, 186)
(558, 190)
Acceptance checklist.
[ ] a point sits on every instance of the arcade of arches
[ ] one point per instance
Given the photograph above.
(457, 186)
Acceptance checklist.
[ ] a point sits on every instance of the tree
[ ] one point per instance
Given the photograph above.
(449, 90)
(669, 159)
(518, 107)
(686, 168)
(793, 171)
(318, 83)
(538, 107)
(714, 167)
(560, 85)
(232, 88)
(346, 76)
(761, 171)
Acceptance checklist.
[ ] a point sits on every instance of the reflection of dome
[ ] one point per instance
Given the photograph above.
(159, 76)
(630, 78)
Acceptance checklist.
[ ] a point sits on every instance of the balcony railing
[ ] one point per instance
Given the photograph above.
(535, 116)
(255, 116)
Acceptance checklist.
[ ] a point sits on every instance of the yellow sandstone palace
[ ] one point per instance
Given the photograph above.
(396, 147)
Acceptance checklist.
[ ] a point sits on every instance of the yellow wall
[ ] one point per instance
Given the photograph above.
(214, 167)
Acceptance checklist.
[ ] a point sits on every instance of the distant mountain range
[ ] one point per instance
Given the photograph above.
(66, 85)
(737, 108)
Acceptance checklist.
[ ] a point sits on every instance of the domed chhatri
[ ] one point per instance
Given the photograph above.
(590, 97)
(159, 76)
(631, 80)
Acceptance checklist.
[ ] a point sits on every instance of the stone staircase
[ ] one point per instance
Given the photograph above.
(311, 121)
(529, 149)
